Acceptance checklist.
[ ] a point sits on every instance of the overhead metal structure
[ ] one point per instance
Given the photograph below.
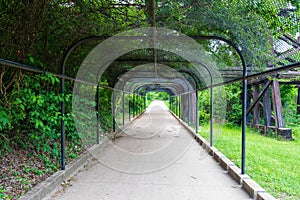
(199, 68)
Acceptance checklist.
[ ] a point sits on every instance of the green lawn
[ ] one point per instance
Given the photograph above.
(272, 163)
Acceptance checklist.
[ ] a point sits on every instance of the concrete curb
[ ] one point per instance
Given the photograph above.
(252, 188)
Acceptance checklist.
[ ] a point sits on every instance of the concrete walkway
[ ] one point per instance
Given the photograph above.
(155, 159)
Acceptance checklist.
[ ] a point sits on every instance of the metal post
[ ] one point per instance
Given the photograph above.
(97, 114)
(244, 121)
(197, 114)
(179, 107)
(129, 105)
(171, 103)
(177, 103)
(114, 112)
(174, 104)
(63, 161)
(189, 108)
(140, 105)
(137, 105)
(123, 107)
(211, 117)
(133, 105)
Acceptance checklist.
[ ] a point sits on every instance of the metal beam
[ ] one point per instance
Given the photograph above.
(266, 86)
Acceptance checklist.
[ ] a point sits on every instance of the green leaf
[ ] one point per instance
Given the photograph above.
(31, 59)
(22, 107)
(18, 101)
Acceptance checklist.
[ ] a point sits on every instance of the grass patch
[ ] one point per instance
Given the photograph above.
(273, 163)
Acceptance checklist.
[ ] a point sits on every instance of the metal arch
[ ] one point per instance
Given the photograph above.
(180, 71)
(171, 81)
(152, 84)
(159, 90)
(195, 83)
(201, 37)
(176, 86)
(196, 86)
(148, 87)
(244, 102)
(148, 78)
(210, 104)
(196, 91)
(134, 91)
(211, 97)
(123, 72)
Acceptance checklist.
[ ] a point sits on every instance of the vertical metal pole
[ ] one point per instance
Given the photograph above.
(97, 114)
(114, 112)
(137, 105)
(171, 107)
(244, 121)
(140, 104)
(129, 109)
(174, 104)
(123, 107)
(133, 105)
(177, 103)
(179, 110)
(211, 116)
(197, 114)
(244, 125)
(63, 161)
(189, 108)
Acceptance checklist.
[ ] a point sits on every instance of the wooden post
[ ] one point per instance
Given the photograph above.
(267, 108)
(277, 105)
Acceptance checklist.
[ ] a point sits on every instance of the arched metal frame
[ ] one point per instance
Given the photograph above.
(134, 90)
(62, 77)
(244, 102)
(195, 81)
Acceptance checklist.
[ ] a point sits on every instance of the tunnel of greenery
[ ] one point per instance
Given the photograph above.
(37, 35)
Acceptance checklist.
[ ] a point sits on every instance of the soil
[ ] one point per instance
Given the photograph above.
(20, 171)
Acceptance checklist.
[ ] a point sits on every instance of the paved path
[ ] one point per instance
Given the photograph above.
(155, 159)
